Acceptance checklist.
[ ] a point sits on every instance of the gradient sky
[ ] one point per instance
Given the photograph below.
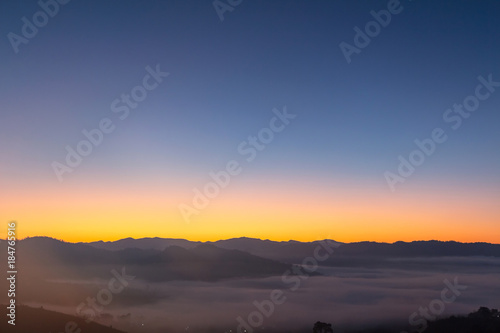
(321, 177)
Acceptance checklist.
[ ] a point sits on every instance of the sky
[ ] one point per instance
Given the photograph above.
(306, 134)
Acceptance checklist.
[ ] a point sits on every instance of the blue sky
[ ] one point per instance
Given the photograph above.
(353, 120)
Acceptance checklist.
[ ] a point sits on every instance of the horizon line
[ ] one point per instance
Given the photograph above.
(254, 238)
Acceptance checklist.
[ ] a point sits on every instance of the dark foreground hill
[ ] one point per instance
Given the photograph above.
(30, 319)
(482, 321)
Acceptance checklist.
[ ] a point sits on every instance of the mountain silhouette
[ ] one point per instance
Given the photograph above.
(39, 256)
(294, 251)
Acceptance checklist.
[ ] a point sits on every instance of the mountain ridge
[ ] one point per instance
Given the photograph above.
(288, 250)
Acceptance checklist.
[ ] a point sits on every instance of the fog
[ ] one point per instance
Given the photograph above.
(346, 297)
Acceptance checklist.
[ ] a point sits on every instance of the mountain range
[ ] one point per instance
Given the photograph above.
(294, 251)
(164, 259)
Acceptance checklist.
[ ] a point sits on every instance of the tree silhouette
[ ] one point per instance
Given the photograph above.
(320, 327)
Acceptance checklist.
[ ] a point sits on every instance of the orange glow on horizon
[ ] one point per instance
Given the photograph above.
(280, 212)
